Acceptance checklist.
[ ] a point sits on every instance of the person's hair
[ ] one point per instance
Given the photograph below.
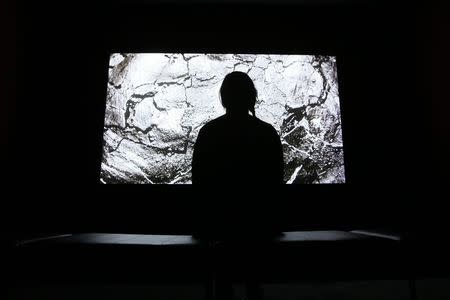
(238, 92)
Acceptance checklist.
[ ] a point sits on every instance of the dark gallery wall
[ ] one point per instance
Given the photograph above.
(394, 115)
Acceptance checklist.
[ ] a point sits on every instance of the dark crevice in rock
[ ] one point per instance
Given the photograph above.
(290, 64)
(180, 76)
(125, 131)
(188, 78)
(188, 104)
(143, 96)
(162, 70)
(317, 65)
(278, 89)
(216, 57)
(166, 83)
(246, 59)
(237, 64)
(129, 106)
(157, 107)
(206, 79)
(189, 58)
(119, 86)
(118, 144)
(130, 109)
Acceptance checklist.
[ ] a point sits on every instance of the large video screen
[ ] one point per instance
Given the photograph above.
(157, 102)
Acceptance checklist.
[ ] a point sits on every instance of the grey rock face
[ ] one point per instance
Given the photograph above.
(157, 103)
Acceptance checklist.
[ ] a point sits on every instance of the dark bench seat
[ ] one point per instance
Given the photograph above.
(181, 258)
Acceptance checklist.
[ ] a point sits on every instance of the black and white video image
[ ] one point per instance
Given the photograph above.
(157, 102)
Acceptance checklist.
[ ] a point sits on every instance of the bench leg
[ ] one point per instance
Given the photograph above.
(209, 287)
(412, 289)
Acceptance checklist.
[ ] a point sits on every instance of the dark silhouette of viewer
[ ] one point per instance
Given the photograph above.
(237, 151)
(237, 148)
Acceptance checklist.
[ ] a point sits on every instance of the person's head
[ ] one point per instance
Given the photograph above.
(238, 93)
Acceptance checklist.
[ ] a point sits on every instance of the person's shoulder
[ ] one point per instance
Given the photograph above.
(265, 126)
(213, 124)
(262, 123)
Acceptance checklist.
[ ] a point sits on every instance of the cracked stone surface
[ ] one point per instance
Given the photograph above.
(157, 103)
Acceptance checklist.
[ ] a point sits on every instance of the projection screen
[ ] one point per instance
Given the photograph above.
(157, 102)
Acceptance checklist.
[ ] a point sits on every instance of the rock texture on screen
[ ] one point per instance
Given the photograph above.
(157, 103)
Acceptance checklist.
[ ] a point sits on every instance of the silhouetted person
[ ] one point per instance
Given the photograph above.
(234, 152)
(237, 148)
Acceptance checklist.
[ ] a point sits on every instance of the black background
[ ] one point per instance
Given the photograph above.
(391, 68)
